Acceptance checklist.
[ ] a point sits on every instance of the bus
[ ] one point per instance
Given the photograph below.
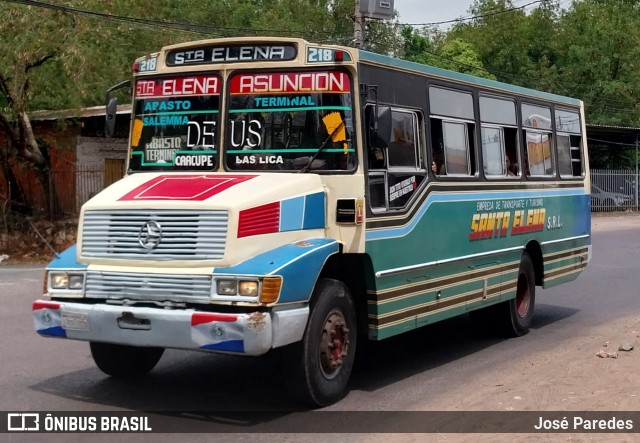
(303, 199)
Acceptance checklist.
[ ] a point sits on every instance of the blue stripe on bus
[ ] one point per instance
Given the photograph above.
(271, 261)
(401, 231)
(299, 265)
(314, 211)
(291, 214)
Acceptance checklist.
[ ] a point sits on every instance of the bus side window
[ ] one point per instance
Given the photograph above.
(453, 128)
(396, 170)
(458, 147)
(568, 142)
(536, 124)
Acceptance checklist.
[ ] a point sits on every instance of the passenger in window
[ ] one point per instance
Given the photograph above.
(402, 152)
(437, 165)
(511, 168)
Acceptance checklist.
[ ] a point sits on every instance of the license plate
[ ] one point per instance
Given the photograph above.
(74, 321)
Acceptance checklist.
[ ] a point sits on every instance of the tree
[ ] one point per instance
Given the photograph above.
(433, 48)
(599, 59)
(67, 57)
(51, 59)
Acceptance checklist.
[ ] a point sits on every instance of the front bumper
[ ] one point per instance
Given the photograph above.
(246, 333)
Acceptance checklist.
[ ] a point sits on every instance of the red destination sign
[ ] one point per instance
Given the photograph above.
(182, 86)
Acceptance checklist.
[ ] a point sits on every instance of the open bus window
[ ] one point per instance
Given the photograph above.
(499, 137)
(493, 155)
(452, 147)
(396, 171)
(539, 154)
(500, 152)
(402, 150)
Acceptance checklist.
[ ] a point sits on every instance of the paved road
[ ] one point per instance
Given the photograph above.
(50, 374)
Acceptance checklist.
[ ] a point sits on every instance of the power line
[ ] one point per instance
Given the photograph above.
(609, 142)
(472, 17)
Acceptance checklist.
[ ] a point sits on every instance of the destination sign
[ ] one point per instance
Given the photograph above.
(182, 86)
(205, 55)
(331, 81)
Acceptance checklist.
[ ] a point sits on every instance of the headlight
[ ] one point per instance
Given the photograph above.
(76, 281)
(248, 288)
(261, 289)
(59, 281)
(68, 283)
(226, 287)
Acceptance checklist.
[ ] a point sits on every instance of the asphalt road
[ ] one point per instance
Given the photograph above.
(42, 374)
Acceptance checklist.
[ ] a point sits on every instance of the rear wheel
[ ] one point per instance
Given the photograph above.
(511, 318)
(321, 364)
(123, 361)
(518, 312)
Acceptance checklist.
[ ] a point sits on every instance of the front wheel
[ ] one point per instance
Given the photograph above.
(320, 365)
(122, 361)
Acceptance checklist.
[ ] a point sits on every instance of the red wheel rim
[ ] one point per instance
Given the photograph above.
(334, 345)
(523, 297)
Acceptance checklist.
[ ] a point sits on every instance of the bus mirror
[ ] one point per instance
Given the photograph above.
(380, 128)
(110, 123)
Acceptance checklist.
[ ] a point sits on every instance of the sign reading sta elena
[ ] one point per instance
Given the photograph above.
(230, 54)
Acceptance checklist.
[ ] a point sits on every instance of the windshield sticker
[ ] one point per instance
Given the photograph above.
(404, 187)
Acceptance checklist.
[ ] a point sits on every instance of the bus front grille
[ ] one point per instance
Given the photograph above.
(151, 287)
(154, 234)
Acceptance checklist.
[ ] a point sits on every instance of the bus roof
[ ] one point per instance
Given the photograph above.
(405, 65)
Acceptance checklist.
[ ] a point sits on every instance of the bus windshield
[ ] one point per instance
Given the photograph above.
(290, 121)
(175, 123)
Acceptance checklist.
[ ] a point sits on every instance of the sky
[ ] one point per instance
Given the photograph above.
(428, 11)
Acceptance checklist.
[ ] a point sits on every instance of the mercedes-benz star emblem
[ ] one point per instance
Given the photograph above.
(150, 235)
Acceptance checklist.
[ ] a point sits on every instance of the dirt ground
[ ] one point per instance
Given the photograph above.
(565, 384)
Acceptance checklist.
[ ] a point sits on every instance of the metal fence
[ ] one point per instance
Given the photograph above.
(73, 189)
(614, 190)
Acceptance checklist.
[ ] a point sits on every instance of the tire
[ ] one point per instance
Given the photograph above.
(319, 367)
(519, 310)
(121, 361)
(510, 318)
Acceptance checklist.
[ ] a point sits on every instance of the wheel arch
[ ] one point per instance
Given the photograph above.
(534, 250)
(353, 270)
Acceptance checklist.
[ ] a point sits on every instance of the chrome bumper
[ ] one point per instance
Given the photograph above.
(248, 334)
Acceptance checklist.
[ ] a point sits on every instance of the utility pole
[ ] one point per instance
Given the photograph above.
(359, 26)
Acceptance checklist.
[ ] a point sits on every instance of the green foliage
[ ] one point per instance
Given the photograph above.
(589, 51)
(90, 54)
(433, 48)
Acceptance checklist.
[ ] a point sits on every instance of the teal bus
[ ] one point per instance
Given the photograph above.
(297, 198)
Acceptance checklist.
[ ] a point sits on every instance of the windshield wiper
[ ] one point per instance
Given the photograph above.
(315, 155)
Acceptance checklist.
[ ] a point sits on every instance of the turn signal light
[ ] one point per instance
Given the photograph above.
(270, 289)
